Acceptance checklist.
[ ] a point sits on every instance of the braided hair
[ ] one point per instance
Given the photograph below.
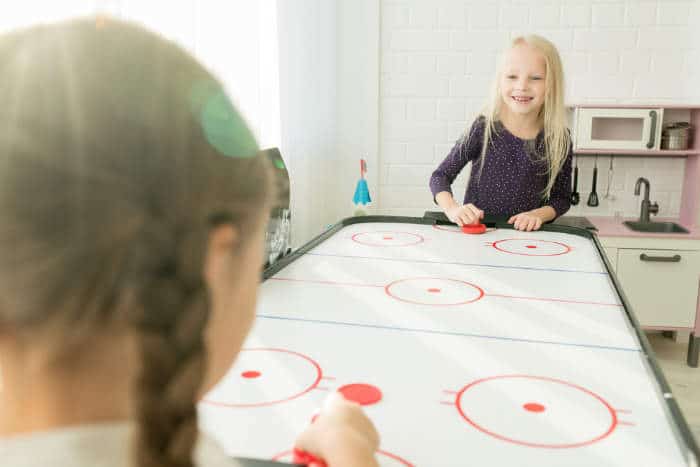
(118, 154)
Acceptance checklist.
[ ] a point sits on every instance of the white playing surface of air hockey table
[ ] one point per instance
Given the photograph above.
(503, 349)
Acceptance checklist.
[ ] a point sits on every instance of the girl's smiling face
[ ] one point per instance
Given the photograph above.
(522, 82)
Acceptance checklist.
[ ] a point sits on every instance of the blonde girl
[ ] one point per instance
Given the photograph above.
(519, 147)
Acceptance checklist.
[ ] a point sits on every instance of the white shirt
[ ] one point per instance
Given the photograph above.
(100, 445)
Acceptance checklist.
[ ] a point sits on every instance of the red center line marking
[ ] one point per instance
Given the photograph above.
(322, 282)
(559, 300)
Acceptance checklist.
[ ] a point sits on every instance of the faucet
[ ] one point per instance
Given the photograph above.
(647, 206)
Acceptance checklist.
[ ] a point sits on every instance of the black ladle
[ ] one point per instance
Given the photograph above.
(574, 194)
(593, 197)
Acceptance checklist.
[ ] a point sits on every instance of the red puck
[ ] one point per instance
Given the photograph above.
(474, 228)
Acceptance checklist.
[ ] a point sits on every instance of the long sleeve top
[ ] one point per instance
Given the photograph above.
(514, 173)
(97, 445)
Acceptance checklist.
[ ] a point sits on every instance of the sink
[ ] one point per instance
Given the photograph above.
(658, 227)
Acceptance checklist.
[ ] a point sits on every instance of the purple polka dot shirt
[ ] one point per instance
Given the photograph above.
(514, 174)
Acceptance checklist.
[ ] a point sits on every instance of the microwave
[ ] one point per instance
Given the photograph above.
(618, 128)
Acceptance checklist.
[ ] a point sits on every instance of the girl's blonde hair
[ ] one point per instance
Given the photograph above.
(557, 140)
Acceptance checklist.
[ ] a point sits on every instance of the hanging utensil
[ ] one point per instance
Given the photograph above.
(575, 197)
(608, 196)
(593, 197)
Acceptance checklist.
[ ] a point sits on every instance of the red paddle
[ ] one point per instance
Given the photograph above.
(474, 228)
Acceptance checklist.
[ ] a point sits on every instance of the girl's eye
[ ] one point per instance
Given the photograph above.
(536, 78)
(511, 77)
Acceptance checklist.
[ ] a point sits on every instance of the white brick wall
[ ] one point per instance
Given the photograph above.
(438, 58)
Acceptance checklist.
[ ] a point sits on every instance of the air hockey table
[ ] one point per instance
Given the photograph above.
(503, 349)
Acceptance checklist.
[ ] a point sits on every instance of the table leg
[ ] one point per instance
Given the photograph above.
(694, 342)
(693, 350)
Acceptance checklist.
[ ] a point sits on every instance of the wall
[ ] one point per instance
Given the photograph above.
(307, 106)
(439, 57)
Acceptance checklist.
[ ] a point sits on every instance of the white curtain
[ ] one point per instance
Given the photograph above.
(303, 72)
(235, 39)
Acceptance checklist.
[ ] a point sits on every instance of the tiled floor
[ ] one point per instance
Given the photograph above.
(684, 380)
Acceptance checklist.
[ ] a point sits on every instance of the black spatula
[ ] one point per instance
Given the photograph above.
(575, 197)
(593, 197)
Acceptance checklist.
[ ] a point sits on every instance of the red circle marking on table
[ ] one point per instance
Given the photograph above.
(250, 374)
(480, 291)
(356, 238)
(363, 394)
(613, 416)
(567, 248)
(434, 290)
(534, 407)
(305, 390)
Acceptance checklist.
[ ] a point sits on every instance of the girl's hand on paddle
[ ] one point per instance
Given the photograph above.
(465, 214)
(341, 435)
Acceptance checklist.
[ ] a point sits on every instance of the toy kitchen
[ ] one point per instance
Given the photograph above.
(636, 182)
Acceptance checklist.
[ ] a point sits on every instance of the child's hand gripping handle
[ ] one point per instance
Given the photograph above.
(341, 435)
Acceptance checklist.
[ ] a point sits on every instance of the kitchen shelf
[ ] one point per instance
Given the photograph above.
(690, 193)
(639, 152)
(635, 106)
(610, 139)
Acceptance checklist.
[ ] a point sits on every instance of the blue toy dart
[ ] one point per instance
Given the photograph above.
(361, 196)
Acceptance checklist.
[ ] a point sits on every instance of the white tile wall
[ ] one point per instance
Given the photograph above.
(438, 58)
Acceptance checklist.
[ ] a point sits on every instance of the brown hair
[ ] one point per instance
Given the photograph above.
(117, 153)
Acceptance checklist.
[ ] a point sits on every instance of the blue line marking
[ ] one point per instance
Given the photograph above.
(450, 333)
(526, 268)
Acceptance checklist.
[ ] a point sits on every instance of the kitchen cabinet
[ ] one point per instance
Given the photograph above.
(660, 278)
(661, 285)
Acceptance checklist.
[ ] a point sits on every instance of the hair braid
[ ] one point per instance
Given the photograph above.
(170, 328)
